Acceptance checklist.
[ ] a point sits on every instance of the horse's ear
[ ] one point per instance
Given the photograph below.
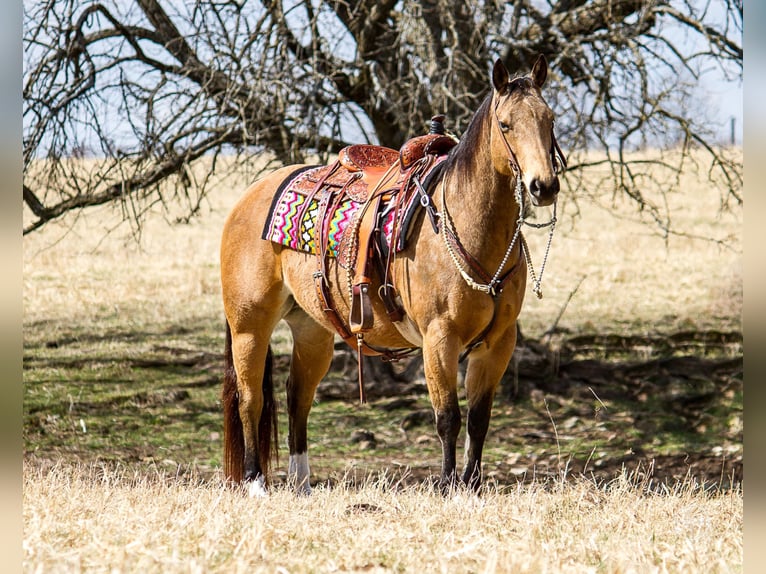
(540, 71)
(500, 76)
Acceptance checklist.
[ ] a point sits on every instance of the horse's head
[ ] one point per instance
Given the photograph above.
(522, 140)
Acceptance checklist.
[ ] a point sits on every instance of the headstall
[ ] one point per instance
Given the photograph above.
(493, 284)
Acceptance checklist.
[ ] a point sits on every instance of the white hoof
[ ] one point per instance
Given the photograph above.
(303, 489)
(257, 488)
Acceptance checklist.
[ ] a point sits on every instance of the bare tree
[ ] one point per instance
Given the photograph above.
(122, 100)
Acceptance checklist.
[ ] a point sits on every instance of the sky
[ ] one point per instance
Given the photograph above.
(720, 100)
(726, 102)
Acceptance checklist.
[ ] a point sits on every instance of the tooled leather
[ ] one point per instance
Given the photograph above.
(359, 157)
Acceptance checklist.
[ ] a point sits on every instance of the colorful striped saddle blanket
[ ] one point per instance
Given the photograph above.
(295, 210)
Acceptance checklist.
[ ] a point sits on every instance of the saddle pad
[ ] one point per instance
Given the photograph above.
(294, 209)
(293, 215)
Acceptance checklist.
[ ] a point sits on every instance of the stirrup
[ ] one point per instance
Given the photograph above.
(360, 318)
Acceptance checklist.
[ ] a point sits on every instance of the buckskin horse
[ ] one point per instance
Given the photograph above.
(456, 282)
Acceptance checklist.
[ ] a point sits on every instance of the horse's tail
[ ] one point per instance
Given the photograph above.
(268, 446)
(233, 434)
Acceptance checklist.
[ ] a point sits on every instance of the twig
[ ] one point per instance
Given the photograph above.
(549, 332)
(598, 399)
(587, 462)
(555, 430)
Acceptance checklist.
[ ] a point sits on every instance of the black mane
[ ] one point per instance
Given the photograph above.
(461, 155)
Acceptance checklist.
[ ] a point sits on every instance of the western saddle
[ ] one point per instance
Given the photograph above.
(377, 177)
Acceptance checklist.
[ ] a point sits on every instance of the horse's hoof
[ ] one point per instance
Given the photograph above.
(303, 489)
(298, 473)
(448, 486)
(257, 488)
(472, 482)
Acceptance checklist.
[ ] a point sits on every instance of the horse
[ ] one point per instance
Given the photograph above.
(461, 286)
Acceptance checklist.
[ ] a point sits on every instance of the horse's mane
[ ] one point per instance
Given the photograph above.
(461, 156)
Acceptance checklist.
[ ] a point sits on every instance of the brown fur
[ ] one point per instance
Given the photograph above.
(234, 443)
(264, 283)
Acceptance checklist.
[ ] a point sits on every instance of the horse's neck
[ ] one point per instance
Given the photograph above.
(483, 209)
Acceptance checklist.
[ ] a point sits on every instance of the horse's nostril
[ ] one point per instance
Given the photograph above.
(537, 188)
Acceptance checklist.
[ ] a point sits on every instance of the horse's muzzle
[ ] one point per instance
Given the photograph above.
(543, 192)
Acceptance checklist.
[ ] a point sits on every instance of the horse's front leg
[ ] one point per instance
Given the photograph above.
(440, 363)
(486, 366)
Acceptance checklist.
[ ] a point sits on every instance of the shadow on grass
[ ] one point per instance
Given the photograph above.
(590, 405)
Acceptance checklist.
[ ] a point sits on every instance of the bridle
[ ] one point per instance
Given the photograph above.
(493, 284)
(558, 159)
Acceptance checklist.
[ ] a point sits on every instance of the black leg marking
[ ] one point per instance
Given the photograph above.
(448, 428)
(477, 426)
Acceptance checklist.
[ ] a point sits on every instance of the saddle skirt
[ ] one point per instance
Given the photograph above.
(296, 206)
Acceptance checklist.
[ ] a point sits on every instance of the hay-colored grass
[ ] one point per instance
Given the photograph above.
(95, 520)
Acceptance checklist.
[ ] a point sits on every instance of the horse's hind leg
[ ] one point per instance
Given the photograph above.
(311, 358)
(485, 369)
(249, 354)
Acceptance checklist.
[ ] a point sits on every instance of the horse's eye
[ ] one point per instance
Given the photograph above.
(504, 126)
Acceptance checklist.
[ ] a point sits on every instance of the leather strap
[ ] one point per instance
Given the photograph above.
(323, 291)
(361, 316)
(386, 292)
(468, 258)
(317, 187)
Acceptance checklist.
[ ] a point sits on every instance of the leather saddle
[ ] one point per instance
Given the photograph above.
(374, 176)
(374, 161)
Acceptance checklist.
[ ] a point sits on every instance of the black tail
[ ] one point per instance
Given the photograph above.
(233, 435)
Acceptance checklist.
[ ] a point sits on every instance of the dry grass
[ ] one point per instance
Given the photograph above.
(635, 278)
(95, 520)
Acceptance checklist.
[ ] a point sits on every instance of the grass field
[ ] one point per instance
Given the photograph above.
(122, 445)
(92, 520)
